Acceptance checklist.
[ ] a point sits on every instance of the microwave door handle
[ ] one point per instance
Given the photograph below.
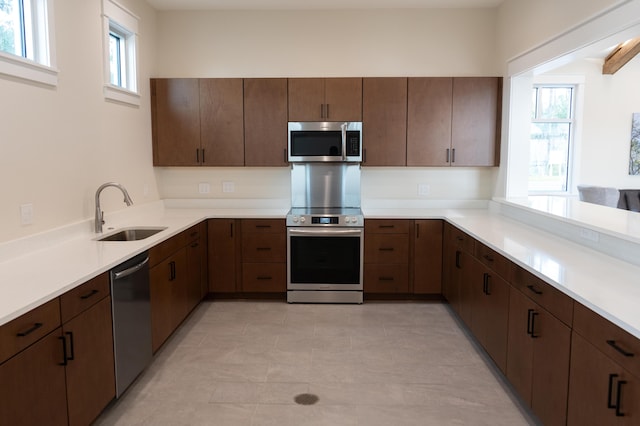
(344, 141)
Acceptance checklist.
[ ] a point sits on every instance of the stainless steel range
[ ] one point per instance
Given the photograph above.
(325, 234)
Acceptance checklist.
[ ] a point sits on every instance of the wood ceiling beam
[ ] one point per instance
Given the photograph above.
(622, 54)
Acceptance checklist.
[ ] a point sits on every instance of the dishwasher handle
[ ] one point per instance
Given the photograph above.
(132, 270)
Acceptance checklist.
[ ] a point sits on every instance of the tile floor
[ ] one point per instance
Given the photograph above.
(243, 363)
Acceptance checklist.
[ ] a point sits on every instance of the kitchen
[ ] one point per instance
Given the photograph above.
(78, 145)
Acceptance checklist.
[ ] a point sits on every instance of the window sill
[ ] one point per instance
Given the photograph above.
(120, 95)
(24, 69)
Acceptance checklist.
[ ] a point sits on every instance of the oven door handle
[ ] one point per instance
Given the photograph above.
(325, 232)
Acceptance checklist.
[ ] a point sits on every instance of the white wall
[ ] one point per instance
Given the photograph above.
(606, 124)
(58, 145)
(437, 42)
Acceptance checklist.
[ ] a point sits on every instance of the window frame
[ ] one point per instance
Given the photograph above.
(571, 121)
(119, 20)
(40, 65)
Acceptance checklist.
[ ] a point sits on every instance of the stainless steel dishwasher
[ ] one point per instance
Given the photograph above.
(131, 308)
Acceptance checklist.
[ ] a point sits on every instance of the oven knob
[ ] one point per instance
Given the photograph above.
(347, 220)
(295, 219)
(354, 220)
(302, 220)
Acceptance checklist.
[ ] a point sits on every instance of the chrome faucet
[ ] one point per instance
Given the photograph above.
(100, 213)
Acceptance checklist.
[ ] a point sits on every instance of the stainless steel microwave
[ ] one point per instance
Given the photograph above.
(325, 141)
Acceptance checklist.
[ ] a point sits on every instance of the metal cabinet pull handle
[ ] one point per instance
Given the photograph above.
(488, 257)
(172, 270)
(64, 350)
(264, 277)
(385, 278)
(485, 284)
(458, 253)
(453, 155)
(71, 357)
(533, 289)
(619, 397)
(202, 155)
(447, 155)
(529, 331)
(613, 344)
(263, 248)
(386, 249)
(88, 295)
(610, 391)
(31, 330)
(417, 230)
(534, 314)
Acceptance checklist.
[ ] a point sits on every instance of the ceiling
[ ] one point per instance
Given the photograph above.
(316, 4)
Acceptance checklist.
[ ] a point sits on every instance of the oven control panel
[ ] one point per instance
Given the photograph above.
(325, 220)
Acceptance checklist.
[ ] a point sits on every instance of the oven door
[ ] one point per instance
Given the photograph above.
(325, 258)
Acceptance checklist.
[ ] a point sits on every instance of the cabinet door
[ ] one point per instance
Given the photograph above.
(264, 277)
(599, 388)
(168, 296)
(343, 99)
(384, 121)
(175, 112)
(221, 121)
(265, 121)
(222, 255)
(90, 375)
(427, 261)
(490, 312)
(306, 99)
(551, 354)
(386, 248)
(475, 121)
(520, 345)
(195, 263)
(429, 121)
(32, 390)
(386, 278)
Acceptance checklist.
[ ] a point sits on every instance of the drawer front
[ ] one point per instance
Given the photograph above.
(84, 296)
(387, 226)
(28, 328)
(166, 248)
(196, 231)
(459, 240)
(264, 247)
(386, 248)
(616, 343)
(557, 303)
(492, 259)
(386, 278)
(264, 277)
(264, 226)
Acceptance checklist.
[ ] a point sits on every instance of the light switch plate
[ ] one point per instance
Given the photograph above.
(423, 189)
(228, 186)
(26, 214)
(204, 188)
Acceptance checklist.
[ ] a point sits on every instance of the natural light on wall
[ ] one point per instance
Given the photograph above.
(120, 33)
(26, 41)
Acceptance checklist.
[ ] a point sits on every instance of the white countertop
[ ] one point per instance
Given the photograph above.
(40, 268)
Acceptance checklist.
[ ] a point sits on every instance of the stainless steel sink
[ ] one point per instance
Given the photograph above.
(131, 234)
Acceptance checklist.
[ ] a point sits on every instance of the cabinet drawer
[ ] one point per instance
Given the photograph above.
(387, 226)
(557, 303)
(263, 226)
(28, 328)
(264, 277)
(166, 248)
(195, 232)
(492, 259)
(616, 343)
(264, 247)
(386, 278)
(459, 240)
(84, 296)
(386, 248)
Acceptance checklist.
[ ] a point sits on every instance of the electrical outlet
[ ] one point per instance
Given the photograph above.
(423, 189)
(204, 188)
(26, 214)
(228, 186)
(589, 234)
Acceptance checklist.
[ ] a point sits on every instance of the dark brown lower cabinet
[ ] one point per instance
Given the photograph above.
(427, 256)
(538, 358)
(601, 392)
(489, 298)
(90, 375)
(32, 385)
(223, 255)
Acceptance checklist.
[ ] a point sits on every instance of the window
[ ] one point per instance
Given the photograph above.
(552, 117)
(120, 47)
(26, 45)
